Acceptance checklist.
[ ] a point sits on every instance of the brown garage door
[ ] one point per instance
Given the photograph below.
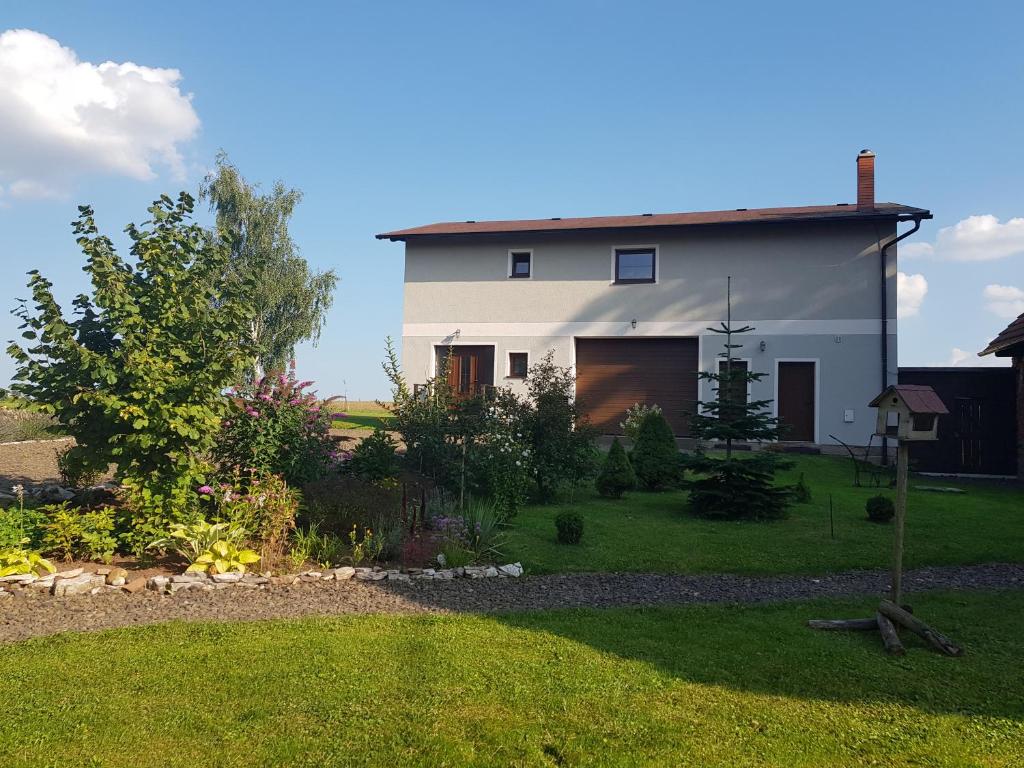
(613, 374)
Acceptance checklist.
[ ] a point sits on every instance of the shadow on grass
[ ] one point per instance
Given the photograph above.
(768, 649)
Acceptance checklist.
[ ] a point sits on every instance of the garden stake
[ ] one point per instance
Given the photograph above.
(831, 518)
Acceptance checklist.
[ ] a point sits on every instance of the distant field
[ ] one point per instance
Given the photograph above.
(359, 414)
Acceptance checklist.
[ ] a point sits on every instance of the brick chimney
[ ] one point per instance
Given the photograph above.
(866, 180)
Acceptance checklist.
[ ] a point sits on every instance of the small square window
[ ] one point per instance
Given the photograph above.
(634, 265)
(518, 364)
(520, 264)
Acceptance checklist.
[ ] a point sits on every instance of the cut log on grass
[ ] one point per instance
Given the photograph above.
(890, 639)
(935, 639)
(844, 625)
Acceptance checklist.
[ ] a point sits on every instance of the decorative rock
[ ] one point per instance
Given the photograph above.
(490, 571)
(397, 576)
(77, 585)
(310, 576)
(512, 569)
(252, 578)
(184, 586)
(226, 578)
(74, 572)
(344, 573)
(188, 578)
(44, 583)
(445, 574)
(157, 583)
(103, 571)
(371, 575)
(287, 579)
(136, 585)
(116, 577)
(18, 578)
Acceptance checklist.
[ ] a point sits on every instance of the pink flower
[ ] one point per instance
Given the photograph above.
(340, 415)
(205, 489)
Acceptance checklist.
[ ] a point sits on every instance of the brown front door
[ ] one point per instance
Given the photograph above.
(614, 374)
(470, 369)
(796, 400)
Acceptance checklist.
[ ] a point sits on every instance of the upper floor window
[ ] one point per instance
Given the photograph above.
(520, 263)
(635, 265)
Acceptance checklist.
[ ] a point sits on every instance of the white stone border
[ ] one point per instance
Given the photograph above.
(80, 582)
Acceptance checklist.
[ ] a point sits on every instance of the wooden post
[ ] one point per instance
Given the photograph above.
(902, 461)
(890, 639)
(934, 638)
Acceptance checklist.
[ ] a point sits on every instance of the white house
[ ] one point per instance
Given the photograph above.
(627, 302)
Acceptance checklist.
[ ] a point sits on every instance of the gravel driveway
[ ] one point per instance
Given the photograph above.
(28, 614)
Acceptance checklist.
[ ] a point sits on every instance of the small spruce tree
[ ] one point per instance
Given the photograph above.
(617, 474)
(727, 486)
(655, 457)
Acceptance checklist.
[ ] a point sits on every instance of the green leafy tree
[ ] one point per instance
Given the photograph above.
(655, 457)
(728, 486)
(616, 476)
(137, 374)
(289, 301)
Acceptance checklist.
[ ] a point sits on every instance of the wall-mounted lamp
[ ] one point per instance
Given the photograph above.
(633, 323)
(763, 345)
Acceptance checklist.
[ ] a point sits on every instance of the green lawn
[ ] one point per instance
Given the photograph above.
(681, 686)
(368, 420)
(360, 414)
(652, 532)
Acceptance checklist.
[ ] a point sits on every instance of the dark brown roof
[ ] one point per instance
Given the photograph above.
(919, 398)
(842, 212)
(1003, 344)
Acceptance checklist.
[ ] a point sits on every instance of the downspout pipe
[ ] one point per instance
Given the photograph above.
(885, 317)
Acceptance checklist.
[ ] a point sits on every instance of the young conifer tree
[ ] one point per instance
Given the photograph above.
(729, 486)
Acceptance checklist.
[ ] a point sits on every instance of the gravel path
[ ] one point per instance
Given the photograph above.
(27, 614)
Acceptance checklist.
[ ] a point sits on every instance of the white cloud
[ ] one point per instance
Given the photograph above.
(61, 118)
(959, 358)
(976, 238)
(1006, 301)
(910, 293)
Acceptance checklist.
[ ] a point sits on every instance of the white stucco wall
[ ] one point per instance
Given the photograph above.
(811, 291)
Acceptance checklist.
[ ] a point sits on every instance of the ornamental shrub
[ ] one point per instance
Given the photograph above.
(635, 417)
(880, 509)
(86, 534)
(374, 459)
(655, 458)
(617, 474)
(569, 526)
(277, 425)
(137, 372)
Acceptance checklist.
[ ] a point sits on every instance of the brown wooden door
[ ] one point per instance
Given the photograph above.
(613, 374)
(796, 400)
(470, 369)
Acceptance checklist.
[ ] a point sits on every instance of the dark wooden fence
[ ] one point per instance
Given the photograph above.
(979, 436)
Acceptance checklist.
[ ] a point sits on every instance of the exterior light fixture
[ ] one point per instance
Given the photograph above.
(762, 346)
(633, 323)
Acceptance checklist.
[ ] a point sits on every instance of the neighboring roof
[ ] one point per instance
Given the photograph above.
(840, 212)
(919, 398)
(1012, 336)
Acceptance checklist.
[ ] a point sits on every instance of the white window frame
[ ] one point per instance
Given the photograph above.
(508, 271)
(508, 361)
(817, 392)
(646, 246)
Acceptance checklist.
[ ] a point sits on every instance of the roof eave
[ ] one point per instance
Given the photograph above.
(905, 215)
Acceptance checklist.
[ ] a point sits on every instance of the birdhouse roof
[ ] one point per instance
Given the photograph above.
(917, 397)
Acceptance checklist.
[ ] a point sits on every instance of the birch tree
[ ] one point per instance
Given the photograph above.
(290, 301)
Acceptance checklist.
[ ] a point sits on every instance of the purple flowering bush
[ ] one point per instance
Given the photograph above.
(278, 425)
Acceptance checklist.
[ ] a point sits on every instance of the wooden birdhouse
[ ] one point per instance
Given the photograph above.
(909, 412)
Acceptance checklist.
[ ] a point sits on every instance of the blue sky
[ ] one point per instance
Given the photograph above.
(389, 115)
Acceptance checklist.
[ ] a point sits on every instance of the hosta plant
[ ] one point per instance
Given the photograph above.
(197, 539)
(22, 561)
(224, 557)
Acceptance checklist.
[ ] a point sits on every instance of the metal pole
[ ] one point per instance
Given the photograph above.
(902, 460)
